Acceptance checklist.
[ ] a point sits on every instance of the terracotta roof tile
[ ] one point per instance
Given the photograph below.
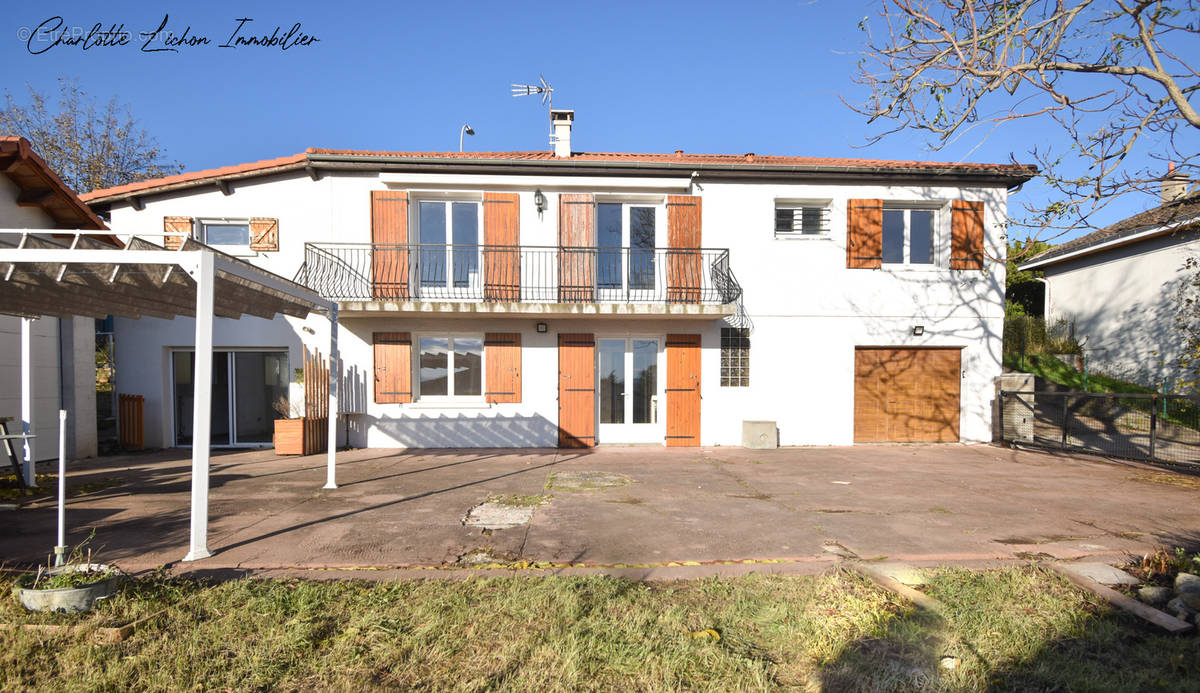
(1186, 207)
(748, 161)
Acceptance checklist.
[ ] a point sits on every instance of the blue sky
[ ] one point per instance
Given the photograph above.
(705, 77)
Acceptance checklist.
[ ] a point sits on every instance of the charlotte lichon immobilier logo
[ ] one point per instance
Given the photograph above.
(242, 32)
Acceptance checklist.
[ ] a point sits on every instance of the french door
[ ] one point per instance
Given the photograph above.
(629, 390)
(626, 238)
(246, 385)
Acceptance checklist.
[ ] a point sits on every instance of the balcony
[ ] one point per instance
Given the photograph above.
(522, 280)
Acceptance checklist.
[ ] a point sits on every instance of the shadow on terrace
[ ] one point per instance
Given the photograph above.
(139, 509)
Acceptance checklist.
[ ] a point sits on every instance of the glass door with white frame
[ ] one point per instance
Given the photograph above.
(629, 390)
(626, 236)
(448, 259)
(246, 385)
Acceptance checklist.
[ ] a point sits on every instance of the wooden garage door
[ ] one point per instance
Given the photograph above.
(576, 390)
(906, 395)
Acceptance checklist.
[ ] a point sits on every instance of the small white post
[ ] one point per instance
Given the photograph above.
(334, 373)
(202, 407)
(27, 398)
(60, 549)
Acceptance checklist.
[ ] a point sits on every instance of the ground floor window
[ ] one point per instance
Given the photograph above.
(246, 388)
(735, 357)
(450, 366)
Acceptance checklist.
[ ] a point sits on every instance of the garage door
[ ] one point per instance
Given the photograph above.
(906, 395)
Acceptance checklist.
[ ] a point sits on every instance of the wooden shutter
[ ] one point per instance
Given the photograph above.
(577, 247)
(684, 276)
(576, 390)
(264, 234)
(683, 390)
(966, 235)
(501, 256)
(389, 249)
(502, 351)
(864, 234)
(393, 367)
(176, 225)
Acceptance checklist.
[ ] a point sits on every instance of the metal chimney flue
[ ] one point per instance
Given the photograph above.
(561, 121)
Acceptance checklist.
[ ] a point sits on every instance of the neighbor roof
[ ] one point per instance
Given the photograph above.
(313, 158)
(41, 187)
(1165, 218)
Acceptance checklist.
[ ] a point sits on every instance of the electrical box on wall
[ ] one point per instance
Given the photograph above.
(760, 435)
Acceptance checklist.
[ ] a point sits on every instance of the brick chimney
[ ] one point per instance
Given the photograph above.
(1174, 185)
(562, 121)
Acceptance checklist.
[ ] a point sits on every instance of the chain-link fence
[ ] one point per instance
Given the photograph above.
(1165, 428)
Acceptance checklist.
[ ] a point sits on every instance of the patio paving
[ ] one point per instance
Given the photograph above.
(396, 509)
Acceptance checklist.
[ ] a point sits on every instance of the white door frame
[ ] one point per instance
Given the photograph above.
(628, 432)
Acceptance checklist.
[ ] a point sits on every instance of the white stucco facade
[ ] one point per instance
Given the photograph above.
(808, 311)
(1123, 303)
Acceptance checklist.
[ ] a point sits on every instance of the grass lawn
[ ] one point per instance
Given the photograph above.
(1015, 629)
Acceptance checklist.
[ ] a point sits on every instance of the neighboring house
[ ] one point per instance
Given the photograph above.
(1120, 288)
(544, 298)
(63, 351)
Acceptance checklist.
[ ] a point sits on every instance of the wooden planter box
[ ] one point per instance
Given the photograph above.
(301, 436)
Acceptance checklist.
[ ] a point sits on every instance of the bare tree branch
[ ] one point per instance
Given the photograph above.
(946, 66)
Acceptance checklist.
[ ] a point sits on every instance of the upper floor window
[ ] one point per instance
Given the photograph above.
(908, 236)
(622, 226)
(448, 232)
(228, 235)
(801, 219)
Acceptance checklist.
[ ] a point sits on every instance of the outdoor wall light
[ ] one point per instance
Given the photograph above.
(542, 327)
(918, 330)
(308, 329)
(540, 200)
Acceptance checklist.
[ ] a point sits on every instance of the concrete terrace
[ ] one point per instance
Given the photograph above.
(397, 509)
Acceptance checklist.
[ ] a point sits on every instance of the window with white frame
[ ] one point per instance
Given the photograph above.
(908, 235)
(228, 235)
(449, 366)
(802, 219)
(448, 232)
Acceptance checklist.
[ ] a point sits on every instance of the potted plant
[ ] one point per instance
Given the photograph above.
(289, 428)
(72, 587)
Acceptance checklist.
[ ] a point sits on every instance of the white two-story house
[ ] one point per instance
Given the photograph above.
(560, 298)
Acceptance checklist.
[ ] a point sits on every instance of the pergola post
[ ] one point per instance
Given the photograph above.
(205, 277)
(334, 373)
(27, 399)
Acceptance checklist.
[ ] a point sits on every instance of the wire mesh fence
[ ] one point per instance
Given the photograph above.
(1163, 428)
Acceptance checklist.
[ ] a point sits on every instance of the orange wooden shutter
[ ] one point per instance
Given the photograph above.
(683, 256)
(502, 351)
(577, 243)
(393, 367)
(966, 235)
(864, 234)
(576, 390)
(389, 236)
(264, 234)
(683, 390)
(501, 256)
(176, 225)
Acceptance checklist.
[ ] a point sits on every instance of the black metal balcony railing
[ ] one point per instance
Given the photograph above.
(537, 274)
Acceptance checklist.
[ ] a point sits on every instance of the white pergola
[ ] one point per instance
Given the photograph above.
(74, 273)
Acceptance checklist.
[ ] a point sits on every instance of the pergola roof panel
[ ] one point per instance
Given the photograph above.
(76, 274)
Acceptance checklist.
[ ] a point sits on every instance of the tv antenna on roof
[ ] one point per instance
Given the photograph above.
(542, 88)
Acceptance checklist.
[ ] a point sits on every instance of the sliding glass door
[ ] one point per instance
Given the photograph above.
(245, 387)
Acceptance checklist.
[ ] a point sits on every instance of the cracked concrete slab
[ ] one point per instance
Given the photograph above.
(915, 504)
